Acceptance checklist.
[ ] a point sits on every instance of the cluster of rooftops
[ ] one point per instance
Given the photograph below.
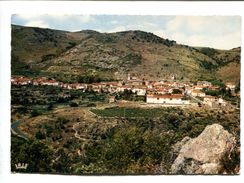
(162, 91)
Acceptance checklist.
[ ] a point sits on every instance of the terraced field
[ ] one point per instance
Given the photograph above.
(132, 112)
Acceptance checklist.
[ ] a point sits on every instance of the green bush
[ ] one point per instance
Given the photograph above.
(35, 113)
(37, 155)
(40, 135)
(73, 104)
(231, 162)
(128, 146)
(50, 106)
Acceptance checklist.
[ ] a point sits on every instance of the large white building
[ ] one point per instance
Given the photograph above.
(175, 99)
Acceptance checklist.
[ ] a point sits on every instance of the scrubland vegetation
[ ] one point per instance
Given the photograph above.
(140, 142)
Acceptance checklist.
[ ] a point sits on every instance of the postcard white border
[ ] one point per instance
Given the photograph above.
(77, 7)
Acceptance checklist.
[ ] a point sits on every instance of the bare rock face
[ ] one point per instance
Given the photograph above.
(202, 154)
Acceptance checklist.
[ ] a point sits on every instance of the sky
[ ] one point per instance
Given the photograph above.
(221, 32)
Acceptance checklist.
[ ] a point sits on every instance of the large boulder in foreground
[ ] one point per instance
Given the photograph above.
(202, 154)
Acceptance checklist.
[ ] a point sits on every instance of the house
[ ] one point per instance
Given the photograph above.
(213, 88)
(135, 82)
(230, 86)
(168, 83)
(97, 87)
(79, 86)
(110, 87)
(35, 82)
(110, 84)
(150, 84)
(186, 84)
(210, 101)
(140, 90)
(204, 83)
(45, 81)
(162, 90)
(129, 77)
(20, 80)
(221, 102)
(51, 82)
(198, 87)
(175, 99)
(70, 86)
(123, 88)
(111, 99)
(209, 98)
(197, 93)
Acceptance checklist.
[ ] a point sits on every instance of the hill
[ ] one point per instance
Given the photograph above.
(68, 56)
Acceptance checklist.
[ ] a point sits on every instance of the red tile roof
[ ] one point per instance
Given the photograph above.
(176, 96)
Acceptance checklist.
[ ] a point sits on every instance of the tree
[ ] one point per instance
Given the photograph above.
(228, 93)
(35, 113)
(37, 155)
(237, 89)
(130, 149)
(73, 104)
(176, 91)
(40, 135)
(50, 106)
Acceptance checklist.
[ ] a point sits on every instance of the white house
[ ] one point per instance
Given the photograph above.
(204, 83)
(175, 99)
(209, 98)
(50, 83)
(163, 90)
(123, 88)
(79, 86)
(111, 99)
(213, 88)
(210, 101)
(222, 102)
(140, 90)
(21, 81)
(230, 86)
(198, 87)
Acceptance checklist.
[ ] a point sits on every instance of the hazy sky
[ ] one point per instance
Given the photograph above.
(223, 32)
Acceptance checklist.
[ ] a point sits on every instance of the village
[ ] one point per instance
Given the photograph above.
(156, 93)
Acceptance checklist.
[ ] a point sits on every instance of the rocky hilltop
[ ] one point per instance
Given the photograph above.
(111, 56)
(203, 154)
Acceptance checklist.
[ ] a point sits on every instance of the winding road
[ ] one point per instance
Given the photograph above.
(16, 131)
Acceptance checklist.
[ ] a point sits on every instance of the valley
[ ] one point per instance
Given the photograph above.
(124, 103)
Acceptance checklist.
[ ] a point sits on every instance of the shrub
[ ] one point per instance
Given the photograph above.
(231, 162)
(128, 146)
(73, 104)
(91, 105)
(36, 154)
(50, 106)
(35, 113)
(40, 135)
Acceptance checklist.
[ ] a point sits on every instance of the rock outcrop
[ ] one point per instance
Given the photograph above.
(202, 154)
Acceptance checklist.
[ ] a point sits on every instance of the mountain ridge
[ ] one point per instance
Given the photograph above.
(69, 55)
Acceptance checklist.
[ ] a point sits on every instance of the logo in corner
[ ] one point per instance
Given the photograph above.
(21, 166)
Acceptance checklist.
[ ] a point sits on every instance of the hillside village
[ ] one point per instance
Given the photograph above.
(163, 93)
(129, 102)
